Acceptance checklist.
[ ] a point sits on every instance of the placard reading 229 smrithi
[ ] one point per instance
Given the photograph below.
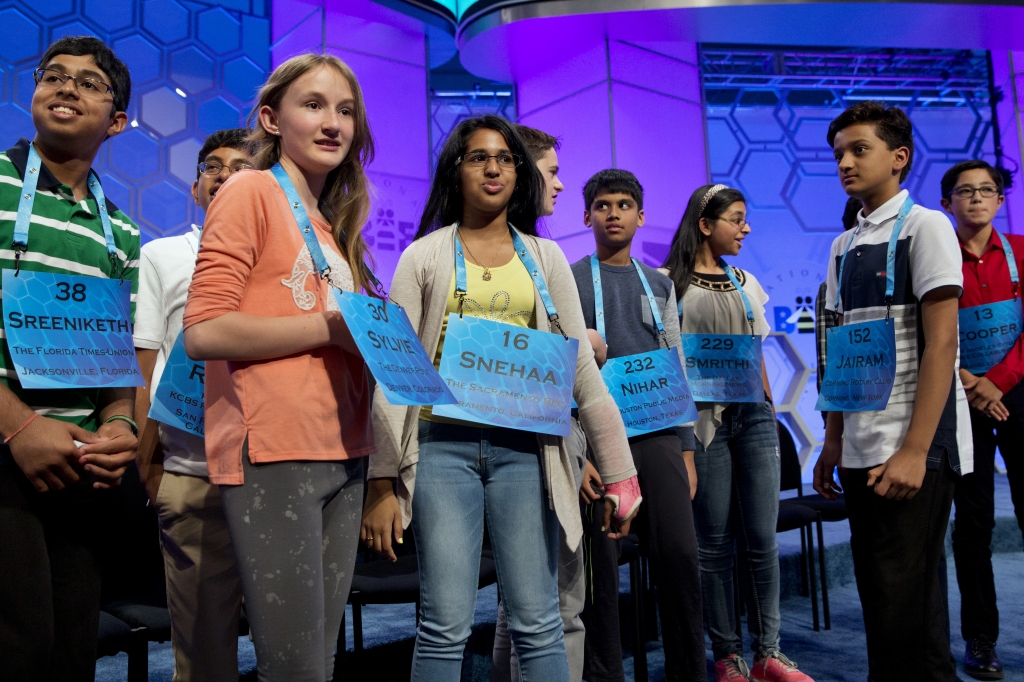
(67, 331)
(510, 376)
(724, 368)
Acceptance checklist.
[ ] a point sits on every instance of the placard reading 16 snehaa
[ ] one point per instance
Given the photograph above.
(504, 375)
(68, 331)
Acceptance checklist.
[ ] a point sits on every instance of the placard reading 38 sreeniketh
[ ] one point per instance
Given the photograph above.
(510, 376)
(67, 331)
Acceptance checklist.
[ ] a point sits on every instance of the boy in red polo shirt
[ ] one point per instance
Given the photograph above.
(992, 366)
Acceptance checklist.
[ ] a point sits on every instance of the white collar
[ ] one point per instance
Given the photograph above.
(886, 211)
(195, 234)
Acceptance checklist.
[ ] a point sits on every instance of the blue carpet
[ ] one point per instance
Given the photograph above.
(836, 655)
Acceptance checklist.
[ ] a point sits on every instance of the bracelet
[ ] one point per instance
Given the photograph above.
(127, 420)
(21, 428)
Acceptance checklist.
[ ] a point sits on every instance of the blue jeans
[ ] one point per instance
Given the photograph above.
(738, 474)
(466, 475)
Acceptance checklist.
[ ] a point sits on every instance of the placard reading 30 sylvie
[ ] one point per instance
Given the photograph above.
(392, 351)
(724, 368)
(987, 333)
(178, 400)
(504, 375)
(650, 390)
(68, 331)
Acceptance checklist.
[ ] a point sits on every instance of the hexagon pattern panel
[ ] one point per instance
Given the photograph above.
(195, 69)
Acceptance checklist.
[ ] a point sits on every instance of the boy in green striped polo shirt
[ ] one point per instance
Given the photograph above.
(49, 485)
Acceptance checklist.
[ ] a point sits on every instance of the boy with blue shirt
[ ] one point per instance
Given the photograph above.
(62, 447)
(900, 464)
(664, 459)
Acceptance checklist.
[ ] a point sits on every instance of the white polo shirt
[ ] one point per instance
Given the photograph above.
(165, 272)
(927, 257)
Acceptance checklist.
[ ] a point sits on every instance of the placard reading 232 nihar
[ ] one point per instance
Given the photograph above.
(510, 376)
(178, 400)
(66, 331)
(650, 391)
(392, 351)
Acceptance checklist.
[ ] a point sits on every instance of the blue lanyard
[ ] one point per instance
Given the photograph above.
(528, 263)
(302, 220)
(595, 269)
(890, 258)
(316, 252)
(1011, 262)
(746, 299)
(28, 197)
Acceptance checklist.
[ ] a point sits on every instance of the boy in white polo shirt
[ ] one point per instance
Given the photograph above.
(204, 594)
(900, 463)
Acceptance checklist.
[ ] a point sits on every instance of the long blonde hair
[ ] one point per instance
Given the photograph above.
(346, 194)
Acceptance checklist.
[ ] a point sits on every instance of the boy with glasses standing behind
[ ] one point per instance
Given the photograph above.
(972, 192)
(204, 594)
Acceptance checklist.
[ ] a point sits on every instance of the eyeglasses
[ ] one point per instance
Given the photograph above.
(986, 192)
(214, 168)
(52, 79)
(738, 222)
(477, 160)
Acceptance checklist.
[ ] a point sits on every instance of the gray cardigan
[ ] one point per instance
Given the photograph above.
(421, 284)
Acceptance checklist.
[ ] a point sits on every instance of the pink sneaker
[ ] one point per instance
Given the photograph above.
(731, 669)
(775, 667)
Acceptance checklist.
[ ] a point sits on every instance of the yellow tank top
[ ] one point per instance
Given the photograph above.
(508, 297)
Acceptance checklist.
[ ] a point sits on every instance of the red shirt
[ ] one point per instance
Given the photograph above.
(987, 280)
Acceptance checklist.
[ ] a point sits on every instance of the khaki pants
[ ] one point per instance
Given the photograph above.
(204, 593)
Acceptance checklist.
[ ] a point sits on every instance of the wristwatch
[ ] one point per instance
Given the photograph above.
(127, 420)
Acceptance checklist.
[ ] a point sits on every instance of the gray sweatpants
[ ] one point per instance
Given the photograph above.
(572, 590)
(295, 530)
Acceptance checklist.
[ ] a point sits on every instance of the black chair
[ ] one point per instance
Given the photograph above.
(637, 593)
(795, 516)
(380, 581)
(829, 511)
(115, 636)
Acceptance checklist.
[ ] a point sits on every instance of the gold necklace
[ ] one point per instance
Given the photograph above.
(487, 268)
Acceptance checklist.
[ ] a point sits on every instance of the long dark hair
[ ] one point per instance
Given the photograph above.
(444, 204)
(686, 243)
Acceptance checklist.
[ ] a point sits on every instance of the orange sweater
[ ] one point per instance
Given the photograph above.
(308, 406)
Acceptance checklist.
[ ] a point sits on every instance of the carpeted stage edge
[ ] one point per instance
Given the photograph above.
(834, 655)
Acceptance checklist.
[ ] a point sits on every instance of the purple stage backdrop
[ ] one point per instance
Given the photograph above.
(634, 89)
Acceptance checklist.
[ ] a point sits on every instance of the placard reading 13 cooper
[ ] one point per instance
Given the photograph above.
(650, 390)
(178, 400)
(392, 351)
(510, 376)
(67, 331)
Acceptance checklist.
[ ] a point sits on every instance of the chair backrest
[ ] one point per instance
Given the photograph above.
(789, 462)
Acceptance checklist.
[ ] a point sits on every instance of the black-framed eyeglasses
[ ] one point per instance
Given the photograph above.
(53, 79)
(967, 192)
(506, 160)
(214, 168)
